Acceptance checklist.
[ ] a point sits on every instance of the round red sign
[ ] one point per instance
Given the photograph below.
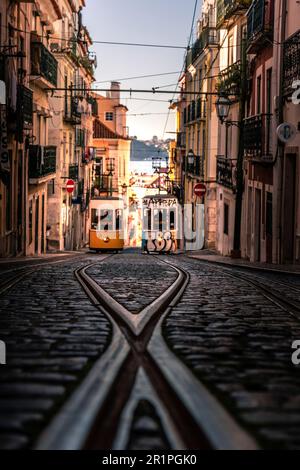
(70, 186)
(200, 190)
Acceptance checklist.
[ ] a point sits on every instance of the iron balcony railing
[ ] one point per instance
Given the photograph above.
(180, 140)
(25, 105)
(227, 8)
(71, 113)
(229, 80)
(258, 137)
(94, 105)
(73, 172)
(194, 111)
(225, 172)
(43, 63)
(291, 63)
(197, 168)
(208, 37)
(260, 22)
(42, 161)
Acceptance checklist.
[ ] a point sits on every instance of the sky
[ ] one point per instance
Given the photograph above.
(165, 22)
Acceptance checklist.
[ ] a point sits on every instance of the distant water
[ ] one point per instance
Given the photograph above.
(142, 166)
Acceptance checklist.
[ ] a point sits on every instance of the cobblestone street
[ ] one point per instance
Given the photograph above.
(235, 341)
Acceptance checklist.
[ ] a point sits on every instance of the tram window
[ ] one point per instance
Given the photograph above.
(106, 220)
(172, 220)
(94, 219)
(160, 220)
(119, 219)
(147, 219)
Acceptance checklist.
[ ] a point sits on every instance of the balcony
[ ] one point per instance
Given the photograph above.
(257, 138)
(197, 169)
(180, 140)
(25, 106)
(291, 63)
(71, 113)
(227, 9)
(260, 22)
(208, 37)
(229, 80)
(195, 111)
(94, 105)
(42, 163)
(43, 65)
(73, 172)
(225, 170)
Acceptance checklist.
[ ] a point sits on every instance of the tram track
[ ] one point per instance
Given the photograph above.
(263, 285)
(192, 417)
(10, 277)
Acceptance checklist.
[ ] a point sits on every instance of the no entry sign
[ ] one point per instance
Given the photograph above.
(70, 186)
(200, 190)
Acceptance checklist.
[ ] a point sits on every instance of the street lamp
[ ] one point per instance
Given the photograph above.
(191, 158)
(223, 107)
(110, 165)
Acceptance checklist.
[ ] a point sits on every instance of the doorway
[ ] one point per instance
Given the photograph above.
(257, 228)
(289, 206)
(269, 227)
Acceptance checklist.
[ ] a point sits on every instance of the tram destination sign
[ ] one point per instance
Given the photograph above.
(159, 202)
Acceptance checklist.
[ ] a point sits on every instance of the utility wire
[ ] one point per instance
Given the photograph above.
(139, 76)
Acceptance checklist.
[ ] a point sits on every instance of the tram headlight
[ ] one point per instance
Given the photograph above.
(106, 239)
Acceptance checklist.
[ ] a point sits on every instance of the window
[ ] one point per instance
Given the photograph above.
(160, 220)
(172, 219)
(119, 219)
(269, 91)
(30, 225)
(147, 219)
(226, 219)
(106, 220)
(258, 95)
(94, 219)
(230, 50)
(109, 116)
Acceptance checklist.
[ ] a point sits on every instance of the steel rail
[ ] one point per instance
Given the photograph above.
(98, 414)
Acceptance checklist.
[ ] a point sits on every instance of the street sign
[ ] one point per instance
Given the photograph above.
(70, 186)
(286, 132)
(200, 190)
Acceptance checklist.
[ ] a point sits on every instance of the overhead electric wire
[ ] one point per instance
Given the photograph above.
(139, 76)
(114, 43)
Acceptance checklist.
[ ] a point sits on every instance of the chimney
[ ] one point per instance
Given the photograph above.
(115, 91)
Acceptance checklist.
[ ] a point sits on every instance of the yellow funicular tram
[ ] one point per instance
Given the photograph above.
(107, 224)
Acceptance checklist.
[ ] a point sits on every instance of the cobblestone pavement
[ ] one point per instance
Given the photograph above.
(137, 279)
(53, 336)
(239, 344)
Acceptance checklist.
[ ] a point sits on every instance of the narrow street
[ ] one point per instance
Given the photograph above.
(174, 353)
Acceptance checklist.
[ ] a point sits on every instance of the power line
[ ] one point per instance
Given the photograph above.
(113, 43)
(132, 90)
(165, 46)
(139, 76)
